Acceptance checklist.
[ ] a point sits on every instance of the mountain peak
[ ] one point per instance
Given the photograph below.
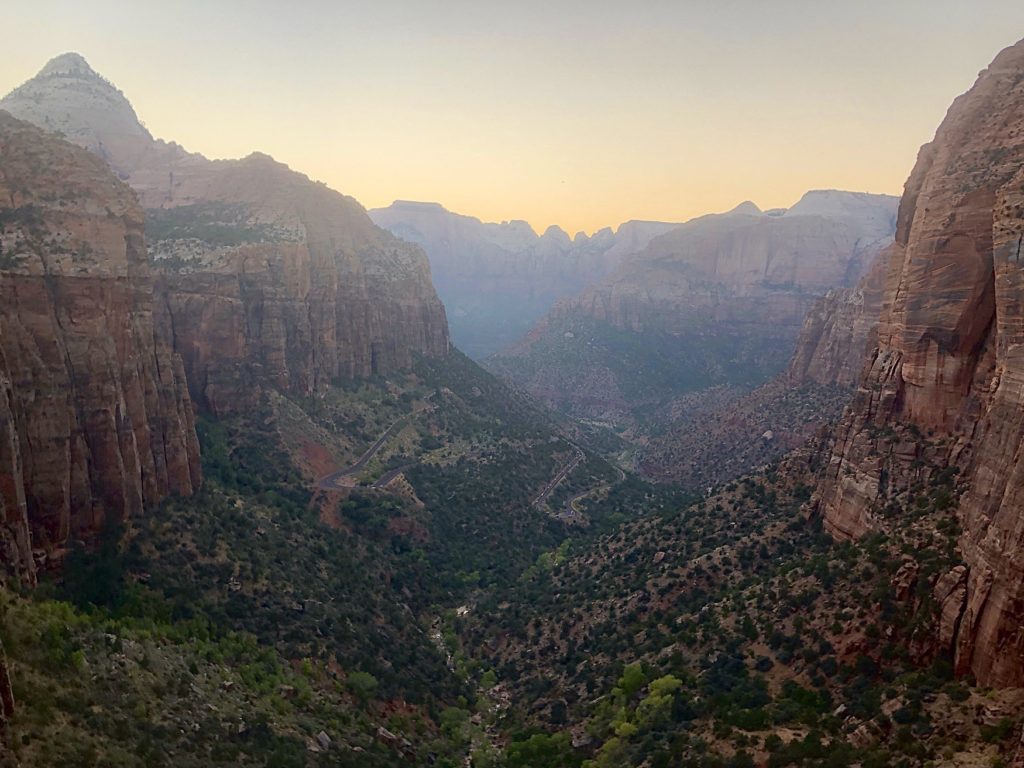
(555, 234)
(70, 63)
(840, 204)
(417, 205)
(747, 208)
(70, 97)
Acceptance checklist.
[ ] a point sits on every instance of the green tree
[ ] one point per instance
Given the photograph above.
(363, 685)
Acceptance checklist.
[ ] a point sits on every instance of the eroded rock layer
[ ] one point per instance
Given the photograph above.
(718, 301)
(95, 416)
(945, 386)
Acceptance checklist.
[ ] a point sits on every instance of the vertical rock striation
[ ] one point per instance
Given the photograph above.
(949, 366)
(95, 416)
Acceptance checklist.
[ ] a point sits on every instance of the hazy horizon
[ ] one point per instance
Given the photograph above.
(578, 116)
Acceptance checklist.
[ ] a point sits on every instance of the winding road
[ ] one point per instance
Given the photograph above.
(574, 462)
(344, 478)
(570, 510)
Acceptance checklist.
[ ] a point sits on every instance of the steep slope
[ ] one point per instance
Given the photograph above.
(265, 276)
(95, 416)
(944, 388)
(497, 280)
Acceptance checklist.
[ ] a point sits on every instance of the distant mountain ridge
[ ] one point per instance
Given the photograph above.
(497, 279)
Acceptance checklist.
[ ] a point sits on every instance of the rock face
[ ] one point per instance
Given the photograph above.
(264, 277)
(838, 331)
(949, 365)
(95, 416)
(497, 280)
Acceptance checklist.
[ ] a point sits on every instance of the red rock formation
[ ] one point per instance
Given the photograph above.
(264, 275)
(950, 364)
(95, 417)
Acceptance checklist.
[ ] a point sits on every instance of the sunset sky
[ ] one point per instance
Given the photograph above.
(581, 113)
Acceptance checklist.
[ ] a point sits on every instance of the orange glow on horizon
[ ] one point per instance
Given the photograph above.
(572, 115)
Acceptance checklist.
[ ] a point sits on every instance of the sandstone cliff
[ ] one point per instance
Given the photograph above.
(715, 436)
(945, 386)
(838, 332)
(95, 416)
(263, 276)
(497, 280)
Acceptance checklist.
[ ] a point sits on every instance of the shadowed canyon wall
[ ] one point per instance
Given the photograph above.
(718, 301)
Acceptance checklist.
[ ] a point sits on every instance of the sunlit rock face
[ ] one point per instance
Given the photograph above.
(497, 280)
(949, 365)
(95, 417)
(263, 277)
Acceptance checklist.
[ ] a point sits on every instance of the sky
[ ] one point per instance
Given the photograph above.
(581, 113)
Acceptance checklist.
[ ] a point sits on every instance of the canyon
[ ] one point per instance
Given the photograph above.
(717, 301)
(830, 397)
(706, 354)
(497, 280)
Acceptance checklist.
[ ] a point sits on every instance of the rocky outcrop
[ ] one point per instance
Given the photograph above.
(274, 279)
(498, 279)
(838, 331)
(95, 416)
(264, 277)
(945, 385)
